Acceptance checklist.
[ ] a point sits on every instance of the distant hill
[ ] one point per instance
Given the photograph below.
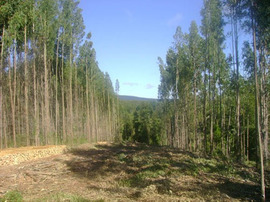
(134, 98)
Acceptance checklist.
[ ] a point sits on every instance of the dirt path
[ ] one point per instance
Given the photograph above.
(127, 173)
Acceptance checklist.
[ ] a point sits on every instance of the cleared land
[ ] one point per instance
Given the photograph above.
(106, 172)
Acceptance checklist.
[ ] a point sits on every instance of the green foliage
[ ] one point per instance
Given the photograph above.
(141, 179)
(135, 181)
(198, 84)
(66, 197)
(141, 122)
(77, 140)
(121, 157)
(51, 31)
(11, 196)
(127, 130)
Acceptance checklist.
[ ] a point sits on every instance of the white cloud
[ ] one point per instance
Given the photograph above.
(175, 20)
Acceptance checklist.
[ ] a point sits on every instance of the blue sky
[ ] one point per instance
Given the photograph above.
(129, 35)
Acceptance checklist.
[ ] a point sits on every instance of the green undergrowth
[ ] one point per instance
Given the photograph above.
(16, 196)
(11, 196)
(66, 197)
(63, 197)
(150, 165)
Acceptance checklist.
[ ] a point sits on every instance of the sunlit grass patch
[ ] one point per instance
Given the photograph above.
(11, 196)
(66, 197)
(122, 156)
(134, 181)
(145, 176)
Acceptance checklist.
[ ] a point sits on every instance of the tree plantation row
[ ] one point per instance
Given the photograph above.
(205, 102)
(209, 102)
(51, 88)
(213, 102)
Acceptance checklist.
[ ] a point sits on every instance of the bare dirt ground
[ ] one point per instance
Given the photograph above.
(106, 172)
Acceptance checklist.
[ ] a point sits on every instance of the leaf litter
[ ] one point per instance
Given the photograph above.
(130, 172)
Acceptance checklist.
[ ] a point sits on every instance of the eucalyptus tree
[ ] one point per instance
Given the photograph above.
(257, 22)
(2, 32)
(26, 7)
(3, 19)
(117, 114)
(173, 61)
(206, 32)
(261, 22)
(74, 29)
(14, 25)
(258, 107)
(47, 16)
(212, 31)
(108, 89)
(248, 64)
(70, 33)
(195, 51)
(56, 82)
(165, 94)
(35, 86)
(234, 13)
(84, 62)
(175, 85)
(185, 78)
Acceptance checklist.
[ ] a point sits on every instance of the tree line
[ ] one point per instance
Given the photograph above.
(51, 88)
(209, 101)
(141, 121)
(218, 103)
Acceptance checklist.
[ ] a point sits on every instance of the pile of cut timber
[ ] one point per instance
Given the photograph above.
(15, 156)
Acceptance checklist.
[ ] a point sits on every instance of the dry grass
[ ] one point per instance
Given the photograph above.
(107, 172)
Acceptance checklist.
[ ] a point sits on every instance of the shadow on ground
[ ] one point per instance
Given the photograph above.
(141, 166)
